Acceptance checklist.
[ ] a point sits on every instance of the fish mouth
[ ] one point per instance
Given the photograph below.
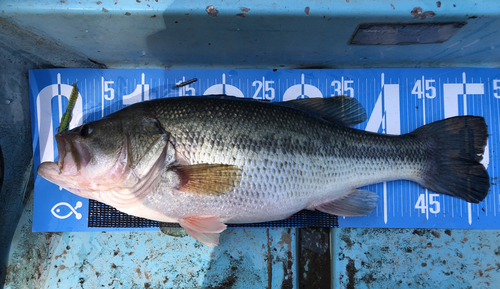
(73, 155)
(73, 158)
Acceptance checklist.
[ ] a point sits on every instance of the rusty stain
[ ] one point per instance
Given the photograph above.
(269, 261)
(428, 14)
(63, 253)
(166, 273)
(212, 11)
(288, 267)
(99, 3)
(428, 252)
(104, 10)
(286, 238)
(62, 267)
(154, 16)
(128, 14)
(347, 1)
(244, 14)
(438, 4)
(138, 1)
(392, 6)
(417, 12)
(314, 259)
(307, 10)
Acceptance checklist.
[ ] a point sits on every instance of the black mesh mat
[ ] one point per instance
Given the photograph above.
(104, 216)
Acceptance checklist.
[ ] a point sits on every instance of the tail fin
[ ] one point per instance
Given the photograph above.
(454, 151)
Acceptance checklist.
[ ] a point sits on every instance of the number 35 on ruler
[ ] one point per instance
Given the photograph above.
(431, 204)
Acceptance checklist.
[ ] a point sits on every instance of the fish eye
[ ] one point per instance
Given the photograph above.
(86, 130)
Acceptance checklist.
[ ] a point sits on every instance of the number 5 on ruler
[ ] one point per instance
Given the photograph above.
(106, 88)
(431, 204)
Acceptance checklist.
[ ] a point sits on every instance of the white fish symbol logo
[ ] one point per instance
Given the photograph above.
(55, 210)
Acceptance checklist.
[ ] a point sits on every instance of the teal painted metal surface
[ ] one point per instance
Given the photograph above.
(253, 258)
(271, 34)
(20, 51)
(408, 258)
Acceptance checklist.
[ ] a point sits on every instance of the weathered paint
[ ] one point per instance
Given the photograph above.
(413, 258)
(314, 258)
(272, 34)
(252, 258)
(20, 51)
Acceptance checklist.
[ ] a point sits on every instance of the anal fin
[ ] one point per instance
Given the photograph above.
(203, 229)
(357, 203)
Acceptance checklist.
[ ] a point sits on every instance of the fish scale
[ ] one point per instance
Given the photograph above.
(204, 162)
(309, 145)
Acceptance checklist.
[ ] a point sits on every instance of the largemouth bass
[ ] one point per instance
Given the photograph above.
(205, 162)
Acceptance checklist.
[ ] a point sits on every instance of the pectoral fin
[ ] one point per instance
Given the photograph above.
(203, 229)
(207, 179)
(357, 203)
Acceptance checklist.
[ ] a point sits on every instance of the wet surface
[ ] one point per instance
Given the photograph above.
(20, 51)
(415, 258)
(364, 258)
(253, 258)
(314, 266)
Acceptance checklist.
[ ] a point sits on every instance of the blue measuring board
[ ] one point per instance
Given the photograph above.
(397, 101)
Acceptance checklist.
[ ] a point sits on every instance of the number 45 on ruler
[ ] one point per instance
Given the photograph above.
(424, 87)
(427, 203)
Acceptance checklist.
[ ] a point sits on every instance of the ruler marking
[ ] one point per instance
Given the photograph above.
(474, 110)
(493, 166)
(440, 110)
(85, 93)
(382, 94)
(435, 110)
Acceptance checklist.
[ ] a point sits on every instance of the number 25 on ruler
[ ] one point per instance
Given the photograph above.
(430, 204)
(265, 87)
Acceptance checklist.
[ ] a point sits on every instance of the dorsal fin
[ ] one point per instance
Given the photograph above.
(340, 109)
